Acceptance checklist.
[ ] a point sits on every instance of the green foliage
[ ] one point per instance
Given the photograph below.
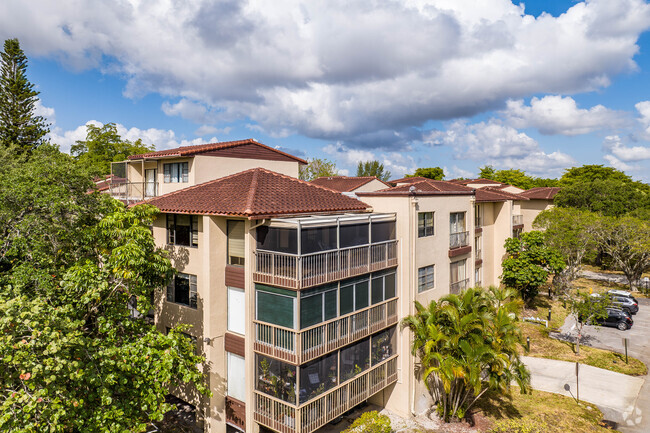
(435, 173)
(529, 263)
(585, 309)
(373, 168)
(519, 425)
(515, 177)
(590, 173)
(606, 196)
(72, 356)
(104, 145)
(18, 124)
(467, 344)
(571, 232)
(370, 422)
(316, 168)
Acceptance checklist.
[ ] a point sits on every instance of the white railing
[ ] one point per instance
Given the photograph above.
(133, 191)
(284, 417)
(299, 272)
(517, 220)
(457, 240)
(459, 286)
(304, 345)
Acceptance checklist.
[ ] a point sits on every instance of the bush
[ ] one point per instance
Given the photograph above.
(519, 426)
(370, 422)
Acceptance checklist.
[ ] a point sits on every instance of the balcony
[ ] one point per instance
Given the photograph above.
(459, 286)
(478, 254)
(295, 271)
(132, 192)
(284, 417)
(517, 220)
(298, 347)
(458, 240)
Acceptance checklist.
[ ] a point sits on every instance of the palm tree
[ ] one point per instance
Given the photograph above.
(467, 345)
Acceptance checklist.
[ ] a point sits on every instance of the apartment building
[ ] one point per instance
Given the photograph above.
(294, 290)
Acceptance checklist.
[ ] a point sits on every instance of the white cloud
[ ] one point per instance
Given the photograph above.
(211, 130)
(499, 145)
(560, 115)
(456, 172)
(48, 113)
(331, 70)
(643, 108)
(615, 145)
(618, 164)
(348, 158)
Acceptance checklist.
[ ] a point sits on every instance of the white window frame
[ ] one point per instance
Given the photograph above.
(426, 230)
(236, 310)
(423, 276)
(193, 293)
(236, 382)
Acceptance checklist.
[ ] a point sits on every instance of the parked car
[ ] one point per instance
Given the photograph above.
(622, 293)
(616, 318)
(626, 303)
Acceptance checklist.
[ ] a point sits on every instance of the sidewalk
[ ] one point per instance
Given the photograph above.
(614, 393)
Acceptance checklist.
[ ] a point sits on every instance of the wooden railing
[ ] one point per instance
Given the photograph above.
(284, 417)
(517, 220)
(132, 192)
(298, 272)
(298, 347)
(459, 286)
(457, 240)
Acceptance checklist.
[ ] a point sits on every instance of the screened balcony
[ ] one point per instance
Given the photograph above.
(132, 192)
(306, 252)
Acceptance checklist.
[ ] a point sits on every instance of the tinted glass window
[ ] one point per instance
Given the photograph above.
(383, 231)
(277, 239)
(317, 239)
(354, 234)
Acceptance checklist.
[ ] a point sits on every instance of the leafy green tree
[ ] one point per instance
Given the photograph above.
(586, 309)
(590, 173)
(318, 167)
(529, 263)
(72, 355)
(370, 422)
(435, 173)
(18, 124)
(486, 172)
(104, 145)
(373, 168)
(467, 344)
(609, 197)
(627, 241)
(515, 177)
(571, 232)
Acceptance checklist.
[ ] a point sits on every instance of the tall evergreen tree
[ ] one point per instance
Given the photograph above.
(18, 123)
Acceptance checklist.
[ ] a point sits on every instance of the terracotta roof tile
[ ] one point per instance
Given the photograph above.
(493, 194)
(541, 193)
(256, 193)
(408, 180)
(480, 181)
(345, 183)
(209, 147)
(423, 186)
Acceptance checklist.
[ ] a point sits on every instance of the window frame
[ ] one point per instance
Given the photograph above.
(231, 325)
(423, 274)
(192, 291)
(242, 259)
(171, 230)
(181, 175)
(424, 229)
(239, 378)
(454, 220)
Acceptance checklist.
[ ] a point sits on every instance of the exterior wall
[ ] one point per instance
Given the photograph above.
(409, 395)
(531, 208)
(496, 228)
(213, 167)
(373, 185)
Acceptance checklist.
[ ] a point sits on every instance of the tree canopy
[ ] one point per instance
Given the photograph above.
(104, 145)
(373, 168)
(435, 173)
(515, 177)
(73, 356)
(18, 124)
(318, 167)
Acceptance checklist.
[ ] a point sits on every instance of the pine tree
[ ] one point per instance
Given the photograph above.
(18, 123)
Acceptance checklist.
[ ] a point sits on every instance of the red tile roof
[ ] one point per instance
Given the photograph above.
(541, 193)
(423, 186)
(480, 181)
(493, 194)
(256, 193)
(345, 183)
(210, 147)
(104, 183)
(408, 180)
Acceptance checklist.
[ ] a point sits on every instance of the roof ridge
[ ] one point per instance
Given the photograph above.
(251, 193)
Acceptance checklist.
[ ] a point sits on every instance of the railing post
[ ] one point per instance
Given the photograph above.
(299, 267)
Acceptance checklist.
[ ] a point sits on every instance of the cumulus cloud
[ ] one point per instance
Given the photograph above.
(643, 108)
(560, 115)
(331, 70)
(348, 158)
(622, 152)
(499, 145)
(618, 164)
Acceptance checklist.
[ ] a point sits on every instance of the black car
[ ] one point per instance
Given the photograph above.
(625, 303)
(616, 318)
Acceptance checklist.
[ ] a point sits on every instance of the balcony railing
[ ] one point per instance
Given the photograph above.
(286, 418)
(457, 240)
(517, 220)
(298, 272)
(132, 192)
(479, 254)
(459, 286)
(301, 346)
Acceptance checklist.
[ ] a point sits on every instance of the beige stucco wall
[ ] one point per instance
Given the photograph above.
(497, 227)
(531, 208)
(213, 167)
(373, 185)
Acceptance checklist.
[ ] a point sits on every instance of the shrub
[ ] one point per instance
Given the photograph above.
(370, 422)
(519, 426)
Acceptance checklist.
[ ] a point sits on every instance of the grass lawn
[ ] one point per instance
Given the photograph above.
(542, 346)
(549, 413)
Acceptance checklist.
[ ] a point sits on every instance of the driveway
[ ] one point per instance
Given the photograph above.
(638, 418)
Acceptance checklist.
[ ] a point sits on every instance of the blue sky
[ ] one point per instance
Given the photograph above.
(458, 84)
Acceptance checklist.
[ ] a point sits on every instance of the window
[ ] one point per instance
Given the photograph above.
(458, 277)
(176, 172)
(275, 306)
(457, 222)
(354, 234)
(182, 290)
(313, 240)
(425, 224)
(382, 287)
(478, 215)
(236, 310)
(382, 231)
(236, 377)
(317, 377)
(383, 346)
(353, 295)
(478, 281)
(277, 239)
(425, 278)
(317, 305)
(235, 242)
(183, 230)
(355, 359)
(275, 378)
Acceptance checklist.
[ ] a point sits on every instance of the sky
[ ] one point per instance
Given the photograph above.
(539, 86)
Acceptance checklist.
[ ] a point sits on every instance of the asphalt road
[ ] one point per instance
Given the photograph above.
(638, 418)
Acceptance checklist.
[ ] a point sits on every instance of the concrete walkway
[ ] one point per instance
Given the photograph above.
(615, 394)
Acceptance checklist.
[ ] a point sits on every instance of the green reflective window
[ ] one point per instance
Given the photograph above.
(275, 309)
(347, 299)
(311, 310)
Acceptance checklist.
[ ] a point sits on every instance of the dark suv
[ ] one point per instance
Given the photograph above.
(616, 318)
(625, 303)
